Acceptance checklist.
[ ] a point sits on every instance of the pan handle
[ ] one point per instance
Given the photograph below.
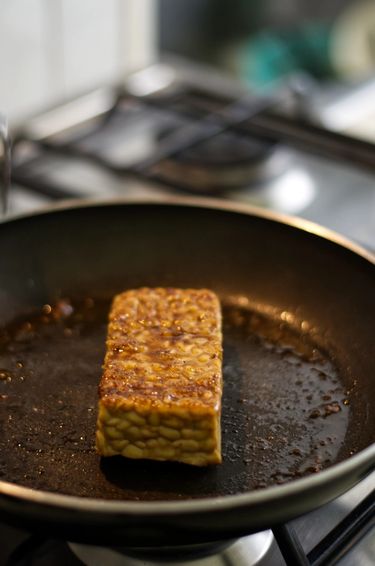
(6, 164)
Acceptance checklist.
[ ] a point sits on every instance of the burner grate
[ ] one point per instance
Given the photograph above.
(187, 139)
(340, 540)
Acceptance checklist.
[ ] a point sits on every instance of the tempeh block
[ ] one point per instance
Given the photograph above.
(160, 392)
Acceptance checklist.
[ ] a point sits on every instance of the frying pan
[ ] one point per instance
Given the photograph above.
(299, 393)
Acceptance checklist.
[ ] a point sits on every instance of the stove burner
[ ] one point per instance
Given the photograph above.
(248, 551)
(227, 149)
(224, 163)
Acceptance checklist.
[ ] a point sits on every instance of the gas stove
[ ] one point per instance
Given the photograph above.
(176, 129)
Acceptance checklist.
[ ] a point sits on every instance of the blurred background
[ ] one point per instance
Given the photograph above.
(264, 41)
(94, 89)
(51, 50)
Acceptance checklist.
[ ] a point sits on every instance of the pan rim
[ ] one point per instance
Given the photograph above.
(293, 221)
(364, 460)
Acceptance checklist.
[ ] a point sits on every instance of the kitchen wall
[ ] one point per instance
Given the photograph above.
(51, 50)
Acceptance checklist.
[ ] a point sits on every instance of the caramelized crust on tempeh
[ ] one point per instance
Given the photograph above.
(160, 393)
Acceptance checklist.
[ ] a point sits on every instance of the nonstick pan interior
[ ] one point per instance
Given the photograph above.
(298, 326)
(285, 412)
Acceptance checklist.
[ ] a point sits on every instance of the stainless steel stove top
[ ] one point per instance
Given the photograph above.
(83, 150)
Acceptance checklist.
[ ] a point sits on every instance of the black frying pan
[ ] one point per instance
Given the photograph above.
(299, 396)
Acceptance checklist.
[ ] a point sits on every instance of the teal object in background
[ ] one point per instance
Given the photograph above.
(269, 57)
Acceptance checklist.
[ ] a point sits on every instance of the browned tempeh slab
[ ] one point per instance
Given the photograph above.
(160, 393)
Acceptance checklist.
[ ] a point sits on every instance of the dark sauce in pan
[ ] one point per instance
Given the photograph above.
(285, 409)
